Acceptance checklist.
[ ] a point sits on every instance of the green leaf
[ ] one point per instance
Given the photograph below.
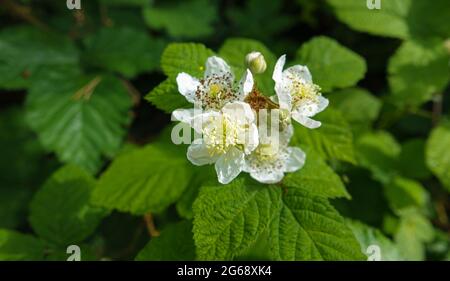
(78, 117)
(185, 19)
(166, 97)
(138, 3)
(201, 176)
(185, 57)
(378, 152)
(317, 178)
(15, 246)
(13, 206)
(106, 49)
(403, 193)
(412, 160)
(234, 50)
(389, 21)
(228, 219)
(413, 231)
(332, 140)
(358, 106)
(417, 71)
(144, 180)
(331, 64)
(309, 228)
(60, 211)
(23, 50)
(369, 236)
(174, 244)
(438, 153)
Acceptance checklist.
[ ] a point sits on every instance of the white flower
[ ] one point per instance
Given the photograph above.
(273, 157)
(217, 86)
(227, 136)
(297, 93)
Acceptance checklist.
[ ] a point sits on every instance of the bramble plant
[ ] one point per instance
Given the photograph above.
(224, 130)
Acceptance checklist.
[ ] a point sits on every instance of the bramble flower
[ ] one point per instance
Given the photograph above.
(297, 94)
(216, 88)
(227, 136)
(273, 157)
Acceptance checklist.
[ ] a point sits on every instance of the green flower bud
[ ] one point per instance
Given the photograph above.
(255, 62)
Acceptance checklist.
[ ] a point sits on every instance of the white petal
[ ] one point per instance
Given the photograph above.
(201, 120)
(216, 66)
(278, 70)
(296, 159)
(198, 154)
(299, 72)
(263, 176)
(183, 115)
(322, 104)
(230, 165)
(246, 84)
(241, 111)
(187, 85)
(253, 139)
(305, 121)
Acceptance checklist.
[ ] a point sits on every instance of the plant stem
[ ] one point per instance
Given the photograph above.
(152, 231)
(24, 13)
(437, 109)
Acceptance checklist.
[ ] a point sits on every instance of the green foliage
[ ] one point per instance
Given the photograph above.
(309, 228)
(317, 178)
(228, 219)
(186, 19)
(332, 140)
(166, 97)
(105, 50)
(144, 180)
(81, 118)
(60, 211)
(417, 71)
(438, 155)
(23, 50)
(175, 243)
(331, 65)
(15, 246)
(403, 193)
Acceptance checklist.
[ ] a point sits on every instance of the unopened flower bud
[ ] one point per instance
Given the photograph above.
(255, 62)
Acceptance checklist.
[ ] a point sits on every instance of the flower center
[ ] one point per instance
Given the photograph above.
(266, 152)
(221, 134)
(215, 91)
(304, 92)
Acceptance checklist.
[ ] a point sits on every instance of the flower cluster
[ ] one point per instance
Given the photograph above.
(240, 129)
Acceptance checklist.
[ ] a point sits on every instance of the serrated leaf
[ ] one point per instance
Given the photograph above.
(378, 152)
(60, 211)
(174, 244)
(403, 193)
(417, 71)
(317, 178)
(333, 140)
(234, 50)
(309, 228)
(358, 106)
(144, 180)
(166, 97)
(185, 57)
(185, 19)
(81, 118)
(106, 49)
(438, 153)
(228, 219)
(331, 64)
(389, 21)
(24, 49)
(15, 246)
(369, 236)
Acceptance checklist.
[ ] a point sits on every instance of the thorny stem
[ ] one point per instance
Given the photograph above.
(132, 91)
(24, 13)
(152, 231)
(437, 109)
